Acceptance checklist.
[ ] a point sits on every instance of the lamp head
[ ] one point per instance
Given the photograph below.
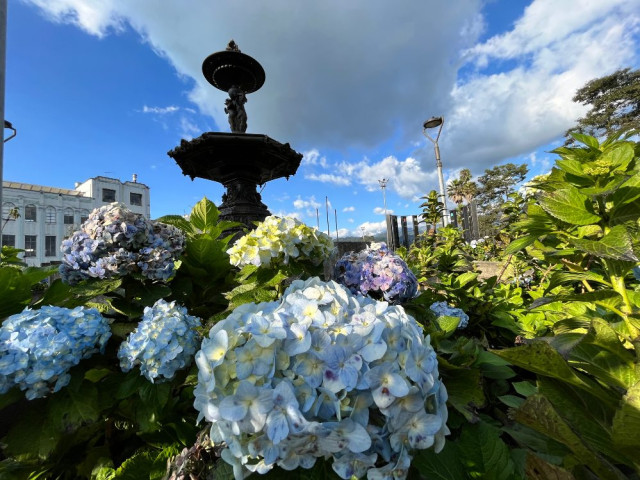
(432, 122)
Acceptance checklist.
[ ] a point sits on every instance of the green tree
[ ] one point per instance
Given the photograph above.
(455, 190)
(469, 187)
(495, 186)
(615, 105)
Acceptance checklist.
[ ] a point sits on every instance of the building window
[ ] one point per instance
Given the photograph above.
(108, 195)
(9, 240)
(51, 215)
(9, 212)
(135, 199)
(50, 246)
(68, 216)
(30, 213)
(84, 215)
(30, 245)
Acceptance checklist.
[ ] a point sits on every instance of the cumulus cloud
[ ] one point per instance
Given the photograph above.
(349, 209)
(299, 203)
(373, 228)
(329, 178)
(313, 157)
(380, 211)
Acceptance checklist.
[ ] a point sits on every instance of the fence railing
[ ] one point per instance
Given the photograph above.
(402, 235)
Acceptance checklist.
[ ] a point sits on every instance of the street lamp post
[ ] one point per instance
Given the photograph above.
(383, 186)
(432, 123)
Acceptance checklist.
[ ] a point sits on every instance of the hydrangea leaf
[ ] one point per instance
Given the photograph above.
(570, 206)
(445, 465)
(538, 413)
(486, 454)
(204, 215)
(626, 422)
(616, 244)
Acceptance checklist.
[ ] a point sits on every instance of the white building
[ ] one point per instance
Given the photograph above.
(49, 214)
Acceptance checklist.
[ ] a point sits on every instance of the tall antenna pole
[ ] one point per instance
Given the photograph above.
(326, 204)
(335, 213)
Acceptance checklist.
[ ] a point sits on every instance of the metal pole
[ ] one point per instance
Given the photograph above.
(383, 186)
(335, 213)
(3, 56)
(326, 204)
(445, 211)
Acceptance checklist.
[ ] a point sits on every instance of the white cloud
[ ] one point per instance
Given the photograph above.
(372, 228)
(160, 110)
(188, 128)
(380, 211)
(350, 220)
(299, 203)
(283, 213)
(313, 157)
(349, 209)
(406, 178)
(329, 178)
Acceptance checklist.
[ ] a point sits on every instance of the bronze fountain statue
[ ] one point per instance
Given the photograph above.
(240, 161)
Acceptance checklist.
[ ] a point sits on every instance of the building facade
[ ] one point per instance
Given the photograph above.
(37, 218)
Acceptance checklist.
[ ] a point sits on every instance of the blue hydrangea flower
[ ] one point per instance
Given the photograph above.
(378, 273)
(443, 309)
(115, 241)
(162, 343)
(38, 347)
(321, 373)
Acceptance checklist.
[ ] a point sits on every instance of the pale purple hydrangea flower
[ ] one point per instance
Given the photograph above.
(378, 273)
(115, 241)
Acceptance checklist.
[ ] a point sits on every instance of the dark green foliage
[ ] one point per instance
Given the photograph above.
(615, 105)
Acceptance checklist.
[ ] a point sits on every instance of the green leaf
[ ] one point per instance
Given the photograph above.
(616, 245)
(589, 418)
(32, 436)
(619, 156)
(539, 414)
(628, 212)
(601, 354)
(204, 215)
(512, 401)
(541, 358)
(626, 422)
(178, 222)
(525, 388)
(447, 324)
(561, 278)
(587, 140)
(570, 206)
(445, 465)
(465, 278)
(485, 453)
(464, 386)
(520, 243)
(571, 166)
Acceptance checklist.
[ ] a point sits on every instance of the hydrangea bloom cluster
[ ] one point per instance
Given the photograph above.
(115, 241)
(378, 273)
(38, 347)
(277, 240)
(162, 343)
(321, 373)
(442, 309)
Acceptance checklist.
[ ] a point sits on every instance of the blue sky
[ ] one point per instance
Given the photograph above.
(107, 87)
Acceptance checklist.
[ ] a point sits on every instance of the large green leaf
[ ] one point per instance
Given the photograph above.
(445, 465)
(570, 206)
(561, 278)
(627, 212)
(485, 453)
(587, 140)
(601, 354)
(178, 222)
(588, 417)
(626, 423)
(618, 156)
(538, 413)
(204, 215)
(464, 386)
(541, 358)
(520, 243)
(616, 244)
(628, 191)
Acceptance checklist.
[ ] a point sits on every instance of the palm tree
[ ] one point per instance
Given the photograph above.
(469, 188)
(455, 190)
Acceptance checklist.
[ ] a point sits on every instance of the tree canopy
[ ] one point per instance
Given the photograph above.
(498, 182)
(615, 105)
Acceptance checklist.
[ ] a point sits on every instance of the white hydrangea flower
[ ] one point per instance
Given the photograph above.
(277, 240)
(321, 373)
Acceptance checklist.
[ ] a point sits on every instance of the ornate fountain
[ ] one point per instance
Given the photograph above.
(238, 160)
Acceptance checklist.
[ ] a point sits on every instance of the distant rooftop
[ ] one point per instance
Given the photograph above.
(41, 188)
